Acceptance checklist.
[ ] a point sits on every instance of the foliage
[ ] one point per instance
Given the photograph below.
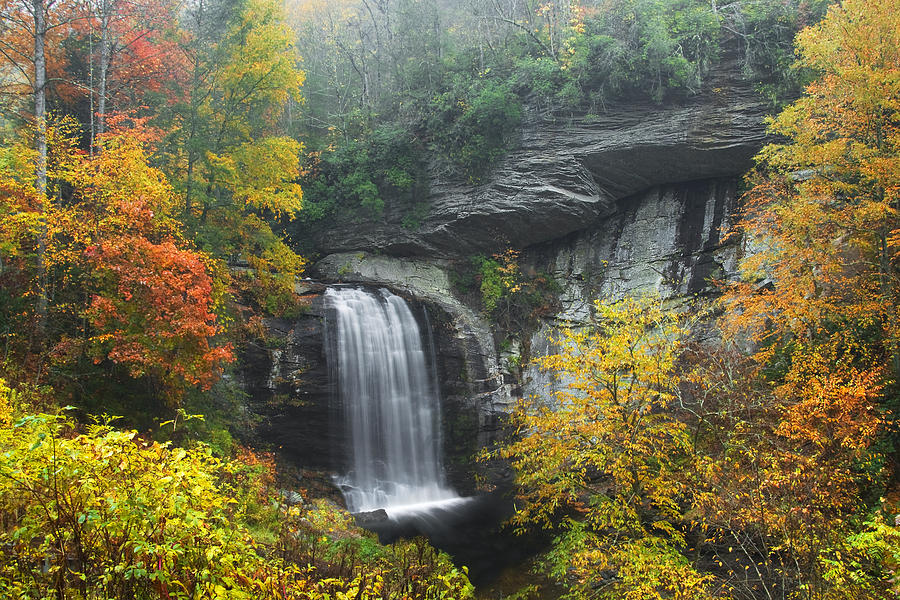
(126, 287)
(823, 213)
(260, 174)
(819, 303)
(765, 32)
(474, 126)
(496, 279)
(876, 543)
(781, 468)
(663, 455)
(101, 278)
(349, 559)
(513, 299)
(110, 515)
(606, 458)
(362, 175)
(113, 516)
(655, 47)
(153, 311)
(231, 169)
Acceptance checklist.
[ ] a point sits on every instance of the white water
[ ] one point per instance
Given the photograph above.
(390, 402)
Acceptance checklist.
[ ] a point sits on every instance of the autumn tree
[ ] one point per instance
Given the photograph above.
(781, 470)
(605, 457)
(26, 43)
(819, 296)
(124, 288)
(153, 298)
(818, 302)
(131, 55)
(822, 217)
(232, 169)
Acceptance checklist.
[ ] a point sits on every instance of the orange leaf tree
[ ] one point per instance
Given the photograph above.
(152, 298)
(125, 287)
(822, 217)
(819, 302)
(152, 311)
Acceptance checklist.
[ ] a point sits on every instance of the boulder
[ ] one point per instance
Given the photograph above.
(371, 518)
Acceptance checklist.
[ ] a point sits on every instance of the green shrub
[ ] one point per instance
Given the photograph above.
(493, 282)
(98, 513)
(474, 127)
(357, 177)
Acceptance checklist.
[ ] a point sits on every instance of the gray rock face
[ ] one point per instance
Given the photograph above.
(287, 383)
(567, 174)
(668, 240)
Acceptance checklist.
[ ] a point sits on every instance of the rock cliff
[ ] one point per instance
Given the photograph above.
(667, 240)
(569, 173)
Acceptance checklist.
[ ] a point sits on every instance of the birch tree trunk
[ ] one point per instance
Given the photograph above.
(105, 58)
(40, 142)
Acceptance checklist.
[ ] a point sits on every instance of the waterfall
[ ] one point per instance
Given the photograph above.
(389, 398)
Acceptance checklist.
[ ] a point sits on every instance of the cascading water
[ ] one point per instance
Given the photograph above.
(390, 401)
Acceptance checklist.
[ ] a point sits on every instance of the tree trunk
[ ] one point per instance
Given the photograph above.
(40, 142)
(194, 116)
(105, 58)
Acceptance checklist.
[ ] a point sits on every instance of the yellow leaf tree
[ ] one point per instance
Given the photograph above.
(606, 458)
(226, 154)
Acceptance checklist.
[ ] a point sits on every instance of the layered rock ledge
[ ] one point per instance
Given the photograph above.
(568, 173)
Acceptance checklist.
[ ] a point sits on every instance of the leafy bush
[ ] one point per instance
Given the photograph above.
(512, 298)
(474, 126)
(494, 282)
(107, 515)
(95, 513)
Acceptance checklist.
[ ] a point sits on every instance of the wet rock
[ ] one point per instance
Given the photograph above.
(290, 497)
(371, 518)
(285, 377)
